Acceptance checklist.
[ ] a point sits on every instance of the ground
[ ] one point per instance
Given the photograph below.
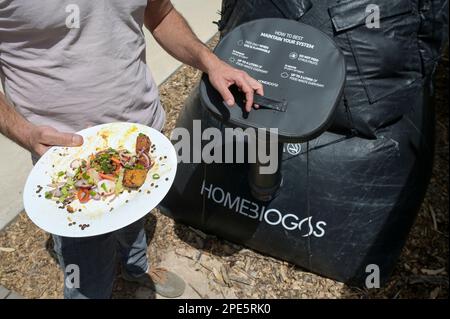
(215, 268)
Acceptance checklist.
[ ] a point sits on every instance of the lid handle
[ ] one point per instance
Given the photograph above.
(264, 102)
(269, 103)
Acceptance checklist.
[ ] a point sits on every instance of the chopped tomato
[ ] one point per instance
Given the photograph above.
(115, 160)
(83, 195)
(107, 176)
(117, 164)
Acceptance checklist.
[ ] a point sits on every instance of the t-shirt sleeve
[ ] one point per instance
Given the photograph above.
(2, 75)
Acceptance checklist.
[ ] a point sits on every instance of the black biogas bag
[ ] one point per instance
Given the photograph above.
(237, 12)
(346, 198)
(387, 63)
(345, 202)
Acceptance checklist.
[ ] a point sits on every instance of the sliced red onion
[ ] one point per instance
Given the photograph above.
(57, 193)
(83, 183)
(132, 161)
(100, 153)
(109, 185)
(147, 159)
(142, 151)
(56, 185)
(75, 164)
(124, 159)
(94, 175)
(124, 153)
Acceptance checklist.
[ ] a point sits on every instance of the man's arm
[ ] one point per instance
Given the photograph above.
(12, 124)
(173, 33)
(36, 139)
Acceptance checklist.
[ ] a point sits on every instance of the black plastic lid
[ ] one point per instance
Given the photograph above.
(301, 68)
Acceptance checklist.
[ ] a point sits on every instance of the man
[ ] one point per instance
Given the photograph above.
(67, 65)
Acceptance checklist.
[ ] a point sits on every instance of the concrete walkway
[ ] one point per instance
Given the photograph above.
(7, 294)
(200, 15)
(15, 163)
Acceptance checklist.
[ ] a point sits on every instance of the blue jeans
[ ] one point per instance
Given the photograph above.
(96, 259)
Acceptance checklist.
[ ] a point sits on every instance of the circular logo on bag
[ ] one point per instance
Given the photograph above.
(294, 149)
(293, 55)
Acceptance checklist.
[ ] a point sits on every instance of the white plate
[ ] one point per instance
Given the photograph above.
(101, 216)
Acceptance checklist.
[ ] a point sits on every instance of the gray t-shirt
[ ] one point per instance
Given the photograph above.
(72, 64)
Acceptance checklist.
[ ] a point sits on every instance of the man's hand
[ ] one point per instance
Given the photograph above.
(41, 138)
(36, 139)
(222, 76)
(173, 33)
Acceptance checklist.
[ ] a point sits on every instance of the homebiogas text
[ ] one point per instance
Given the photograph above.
(273, 217)
(230, 145)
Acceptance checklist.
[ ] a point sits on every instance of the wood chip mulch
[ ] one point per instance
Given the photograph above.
(28, 266)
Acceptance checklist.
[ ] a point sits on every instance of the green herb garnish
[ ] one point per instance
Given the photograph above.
(103, 163)
(64, 191)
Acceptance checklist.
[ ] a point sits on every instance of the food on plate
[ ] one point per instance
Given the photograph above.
(143, 144)
(106, 173)
(134, 178)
